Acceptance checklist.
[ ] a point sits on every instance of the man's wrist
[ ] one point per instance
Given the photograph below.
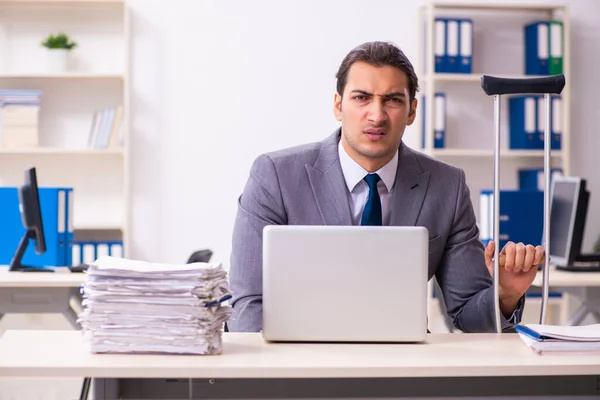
(509, 303)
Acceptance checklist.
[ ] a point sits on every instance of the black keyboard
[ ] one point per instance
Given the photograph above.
(581, 267)
(79, 268)
(588, 258)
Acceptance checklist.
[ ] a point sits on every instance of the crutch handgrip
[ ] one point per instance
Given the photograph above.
(493, 85)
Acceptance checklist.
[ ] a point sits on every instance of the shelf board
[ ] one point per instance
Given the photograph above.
(496, 6)
(61, 151)
(66, 75)
(446, 77)
(490, 153)
(97, 227)
(61, 3)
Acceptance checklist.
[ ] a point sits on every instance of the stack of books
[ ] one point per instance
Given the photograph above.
(19, 118)
(133, 306)
(544, 339)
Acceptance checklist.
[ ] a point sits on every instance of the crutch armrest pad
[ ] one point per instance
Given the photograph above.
(493, 85)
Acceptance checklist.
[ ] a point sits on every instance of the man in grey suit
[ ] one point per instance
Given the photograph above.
(364, 174)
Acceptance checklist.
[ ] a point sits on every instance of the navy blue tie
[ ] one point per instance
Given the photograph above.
(372, 212)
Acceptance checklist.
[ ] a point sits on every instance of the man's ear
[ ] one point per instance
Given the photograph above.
(337, 106)
(413, 111)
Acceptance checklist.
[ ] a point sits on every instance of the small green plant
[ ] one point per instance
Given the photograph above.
(59, 41)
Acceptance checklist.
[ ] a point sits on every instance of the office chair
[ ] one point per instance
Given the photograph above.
(200, 256)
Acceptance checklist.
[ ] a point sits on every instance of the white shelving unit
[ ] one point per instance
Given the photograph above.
(498, 50)
(97, 78)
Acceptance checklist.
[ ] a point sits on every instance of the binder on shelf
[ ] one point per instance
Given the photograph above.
(540, 114)
(533, 178)
(439, 121)
(440, 44)
(56, 204)
(536, 48)
(453, 44)
(557, 122)
(556, 46)
(465, 65)
(452, 47)
(523, 116)
(68, 233)
(521, 216)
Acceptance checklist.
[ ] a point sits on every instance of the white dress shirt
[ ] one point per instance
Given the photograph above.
(359, 190)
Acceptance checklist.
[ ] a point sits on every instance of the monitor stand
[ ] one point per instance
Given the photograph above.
(15, 263)
(583, 263)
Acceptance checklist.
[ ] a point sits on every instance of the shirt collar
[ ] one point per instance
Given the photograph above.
(354, 173)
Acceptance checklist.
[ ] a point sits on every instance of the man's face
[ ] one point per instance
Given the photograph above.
(374, 111)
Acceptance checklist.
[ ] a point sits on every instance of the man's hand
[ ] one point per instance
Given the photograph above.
(517, 269)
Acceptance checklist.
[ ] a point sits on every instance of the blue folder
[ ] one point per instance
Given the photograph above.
(465, 45)
(536, 48)
(56, 207)
(439, 122)
(523, 122)
(531, 333)
(521, 217)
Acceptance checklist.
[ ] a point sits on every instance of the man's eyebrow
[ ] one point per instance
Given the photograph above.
(387, 95)
(362, 92)
(394, 94)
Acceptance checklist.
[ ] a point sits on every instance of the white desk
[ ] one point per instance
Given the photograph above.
(40, 292)
(447, 365)
(583, 285)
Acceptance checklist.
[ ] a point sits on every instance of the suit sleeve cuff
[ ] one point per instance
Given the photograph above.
(516, 316)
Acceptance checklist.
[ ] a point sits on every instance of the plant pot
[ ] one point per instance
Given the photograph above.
(58, 60)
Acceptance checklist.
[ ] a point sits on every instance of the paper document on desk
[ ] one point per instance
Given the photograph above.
(563, 339)
(139, 307)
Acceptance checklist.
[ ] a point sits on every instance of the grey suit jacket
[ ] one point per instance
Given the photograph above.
(304, 185)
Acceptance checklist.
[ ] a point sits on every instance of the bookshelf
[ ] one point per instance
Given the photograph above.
(96, 79)
(65, 75)
(62, 151)
(498, 49)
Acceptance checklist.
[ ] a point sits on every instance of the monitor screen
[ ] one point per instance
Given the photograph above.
(30, 208)
(563, 210)
(31, 216)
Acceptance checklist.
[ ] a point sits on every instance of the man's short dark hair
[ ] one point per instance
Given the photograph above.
(378, 54)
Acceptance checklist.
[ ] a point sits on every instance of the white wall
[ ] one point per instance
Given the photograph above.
(217, 83)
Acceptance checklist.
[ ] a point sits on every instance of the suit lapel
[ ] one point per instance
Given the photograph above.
(328, 184)
(409, 189)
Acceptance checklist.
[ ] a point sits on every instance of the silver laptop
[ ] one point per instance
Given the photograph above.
(345, 283)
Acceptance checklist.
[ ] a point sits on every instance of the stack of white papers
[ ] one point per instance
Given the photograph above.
(139, 307)
(561, 339)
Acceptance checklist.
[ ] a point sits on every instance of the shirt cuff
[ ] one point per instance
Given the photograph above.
(516, 316)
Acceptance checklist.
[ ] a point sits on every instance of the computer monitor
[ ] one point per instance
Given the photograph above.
(568, 213)
(31, 216)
